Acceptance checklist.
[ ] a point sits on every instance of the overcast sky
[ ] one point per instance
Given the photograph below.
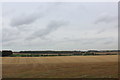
(59, 26)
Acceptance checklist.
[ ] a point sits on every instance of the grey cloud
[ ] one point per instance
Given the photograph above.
(108, 42)
(25, 19)
(9, 34)
(101, 31)
(52, 26)
(88, 40)
(106, 18)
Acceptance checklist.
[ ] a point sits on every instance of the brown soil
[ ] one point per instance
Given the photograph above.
(60, 67)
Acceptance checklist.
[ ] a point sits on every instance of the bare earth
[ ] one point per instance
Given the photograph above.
(60, 67)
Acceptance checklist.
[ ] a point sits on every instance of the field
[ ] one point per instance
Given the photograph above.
(61, 67)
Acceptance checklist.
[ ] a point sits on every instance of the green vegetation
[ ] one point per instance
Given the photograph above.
(33, 55)
(45, 55)
(56, 53)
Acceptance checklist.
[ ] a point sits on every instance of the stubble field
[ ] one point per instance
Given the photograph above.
(60, 67)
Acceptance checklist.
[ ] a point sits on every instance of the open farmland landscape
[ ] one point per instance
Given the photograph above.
(59, 39)
(105, 66)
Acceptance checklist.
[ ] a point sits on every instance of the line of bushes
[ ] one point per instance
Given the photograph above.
(14, 55)
(33, 55)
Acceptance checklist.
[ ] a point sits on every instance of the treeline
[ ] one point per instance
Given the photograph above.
(49, 52)
(57, 53)
(6, 53)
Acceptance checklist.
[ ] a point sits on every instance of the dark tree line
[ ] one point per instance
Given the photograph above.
(50, 52)
(7, 53)
(56, 53)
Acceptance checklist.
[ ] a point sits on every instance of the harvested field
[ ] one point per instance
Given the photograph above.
(60, 67)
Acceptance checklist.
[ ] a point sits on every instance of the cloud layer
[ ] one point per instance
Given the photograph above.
(51, 27)
(59, 26)
(106, 18)
(24, 19)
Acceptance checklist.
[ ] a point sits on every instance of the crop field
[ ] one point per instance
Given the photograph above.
(60, 67)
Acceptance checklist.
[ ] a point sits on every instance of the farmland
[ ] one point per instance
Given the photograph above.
(60, 67)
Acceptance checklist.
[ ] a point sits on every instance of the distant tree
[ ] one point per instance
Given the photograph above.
(6, 53)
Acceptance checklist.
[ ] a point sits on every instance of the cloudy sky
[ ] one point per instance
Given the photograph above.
(59, 26)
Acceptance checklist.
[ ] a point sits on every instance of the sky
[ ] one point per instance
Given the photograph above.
(59, 25)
